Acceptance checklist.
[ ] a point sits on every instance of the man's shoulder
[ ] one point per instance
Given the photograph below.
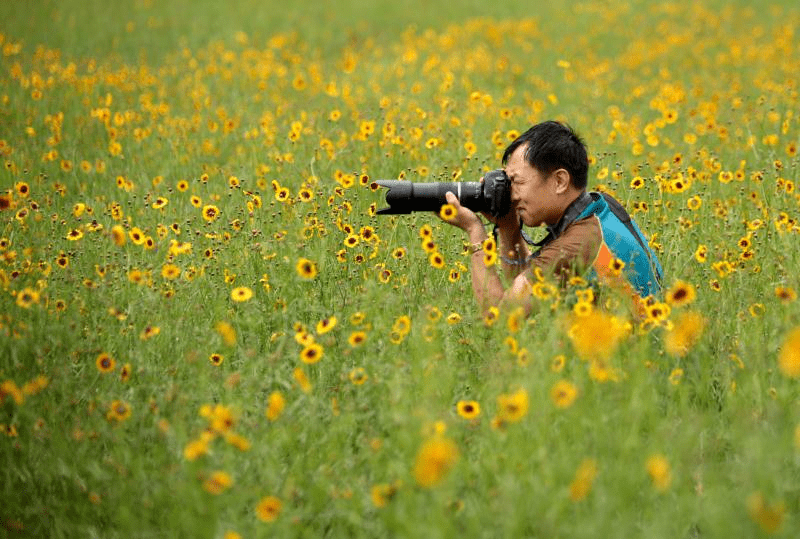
(584, 230)
(580, 240)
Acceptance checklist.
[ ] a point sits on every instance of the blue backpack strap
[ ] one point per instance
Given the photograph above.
(619, 211)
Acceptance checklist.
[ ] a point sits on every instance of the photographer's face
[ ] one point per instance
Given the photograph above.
(532, 194)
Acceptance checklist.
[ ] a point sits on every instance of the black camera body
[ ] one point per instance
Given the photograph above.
(492, 195)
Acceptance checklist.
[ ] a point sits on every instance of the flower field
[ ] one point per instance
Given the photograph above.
(207, 331)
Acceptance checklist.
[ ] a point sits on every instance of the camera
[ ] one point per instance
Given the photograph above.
(492, 195)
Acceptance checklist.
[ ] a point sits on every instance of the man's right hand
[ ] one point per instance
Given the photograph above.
(508, 222)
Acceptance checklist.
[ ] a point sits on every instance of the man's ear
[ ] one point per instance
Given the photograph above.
(562, 180)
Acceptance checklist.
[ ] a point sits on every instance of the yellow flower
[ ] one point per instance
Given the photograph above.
(210, 213)
(105, 363)
(436, 260)
(118, 411)
(6, 201)
(523, 357)
(275, 405)
(491, 316)
(268, 509)
(351, 240)
(227, 332)
(357, 338)
(305, 194)
(448, 212)
(597, 335)
(515, 319)
(358, 376)
(160, 203)
(768, 517)
(582, 308)
(558, 362)
(27, 297)
(582, 483)
(303, 337)
(22, 188)
(302, 380)
(616, 266)
(10, 388)
(658, 312)
(601, 371)
(170, 271)
(675, 376)
(306, 268)
(382, 494)
(468, 409)
(241, 294)
(512, 407)
(680, 294)
(402, 325)
(221, 418)
(217, 482)
(789, 356)
(137, 235)
(118, 235)
(149, 332)
(686, 331)
(785, 294)
(563, 394)
(311, 353)
(701, 254)
(326, 324)
(512, 344)
(238, 441)
(435, 458)
(659, 471)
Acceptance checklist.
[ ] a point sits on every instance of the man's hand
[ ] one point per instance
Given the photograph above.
(508, 223)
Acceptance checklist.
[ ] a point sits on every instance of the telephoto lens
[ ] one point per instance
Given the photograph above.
(492, 195)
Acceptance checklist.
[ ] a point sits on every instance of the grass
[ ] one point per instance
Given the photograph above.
(280, 119)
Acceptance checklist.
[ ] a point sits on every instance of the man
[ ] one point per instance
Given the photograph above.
(589, 234)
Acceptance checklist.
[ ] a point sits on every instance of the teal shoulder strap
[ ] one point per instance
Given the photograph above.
(603, 201)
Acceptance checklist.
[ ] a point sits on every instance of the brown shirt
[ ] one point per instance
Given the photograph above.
(573, 252)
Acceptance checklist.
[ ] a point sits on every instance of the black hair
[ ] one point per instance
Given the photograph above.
(552, 145)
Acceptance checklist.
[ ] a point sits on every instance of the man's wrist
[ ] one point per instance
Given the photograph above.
(476, 233)
(509, 235)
